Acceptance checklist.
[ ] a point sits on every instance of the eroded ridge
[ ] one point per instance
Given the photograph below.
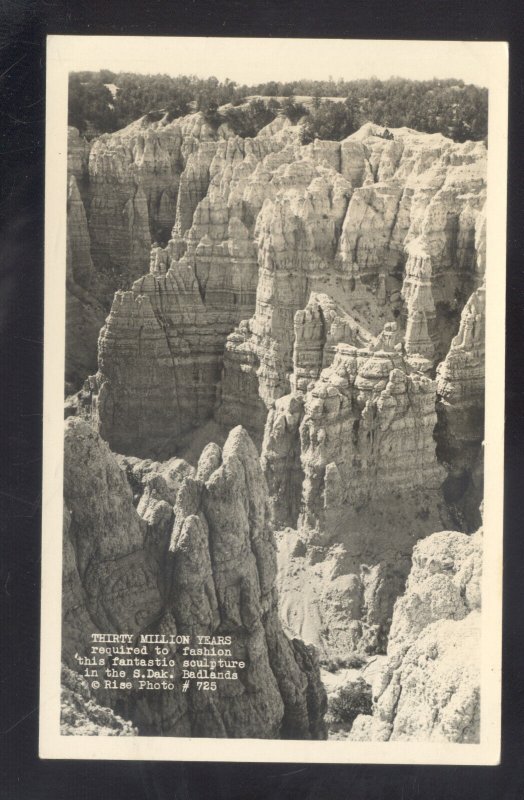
(195, 558)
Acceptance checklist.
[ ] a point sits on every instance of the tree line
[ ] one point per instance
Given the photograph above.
(105, 101)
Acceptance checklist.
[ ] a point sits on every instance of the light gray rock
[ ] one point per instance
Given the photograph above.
(430, 686)
(203, 566)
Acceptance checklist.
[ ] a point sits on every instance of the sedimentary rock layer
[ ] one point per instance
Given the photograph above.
(134, 179)
(365, 429)
(351, 463)
(386, 228)
(318, 296)
(160, 352)
(396, 233)
(143, 184)
(197, 557)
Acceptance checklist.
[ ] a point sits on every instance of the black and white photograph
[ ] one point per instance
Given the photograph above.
(273, 400)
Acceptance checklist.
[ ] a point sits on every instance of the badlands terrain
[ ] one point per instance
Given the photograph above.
(275, 407)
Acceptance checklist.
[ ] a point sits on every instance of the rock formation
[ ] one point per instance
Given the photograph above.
(430, 686)
(383, 227)
(163, 342)
(351, 463)
(77, 156)
(135, 176)
(84, 312)
(460, 410)
(144, 183)
(304, 355)
(81, 716)
(196, 557)
(397, 232)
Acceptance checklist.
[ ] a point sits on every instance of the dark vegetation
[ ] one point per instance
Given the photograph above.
(353, 661)
(350, 701)
(103, 101)
(248, 120)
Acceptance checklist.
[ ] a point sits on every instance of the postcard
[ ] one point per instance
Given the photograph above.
(274, 400)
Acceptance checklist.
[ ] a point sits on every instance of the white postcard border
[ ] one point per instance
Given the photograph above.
(63, 54)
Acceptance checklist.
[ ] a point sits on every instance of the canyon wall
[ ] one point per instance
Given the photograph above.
(196, 557)
(429, 689)
(396, 234)
(460, 411)
(389, 230)
(141, 185)
(329, 299)
(84, 310)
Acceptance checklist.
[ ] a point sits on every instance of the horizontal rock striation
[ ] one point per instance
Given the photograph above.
(297, 235)
(367, 430)
(430, 686)
(129, 182)
(134, 178)
(388, 228)
(416, 198)
(161, 350)
(196, 557)
(352, 464)
(383, 227)
(328, 299)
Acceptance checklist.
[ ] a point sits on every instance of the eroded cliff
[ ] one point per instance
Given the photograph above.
(197, 557)
(389, 230)
(430, 685)
(329, 299)
(139, 186)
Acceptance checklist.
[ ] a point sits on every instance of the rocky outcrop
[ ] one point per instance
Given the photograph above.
(317, 331)
(366, 431)
(317, 296)
(351, 463)
(144, 473)
(80, 715)
(381, 227)
(196, 557)
(395, 232)
(110, 577)
(338, 592)
(84, 312)
(297, 233)
(77, 156)
(145, 180)
(134, 178)
(430, 686)
(163, 342)
(460, 409)
(359, 427)
(129, 185)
